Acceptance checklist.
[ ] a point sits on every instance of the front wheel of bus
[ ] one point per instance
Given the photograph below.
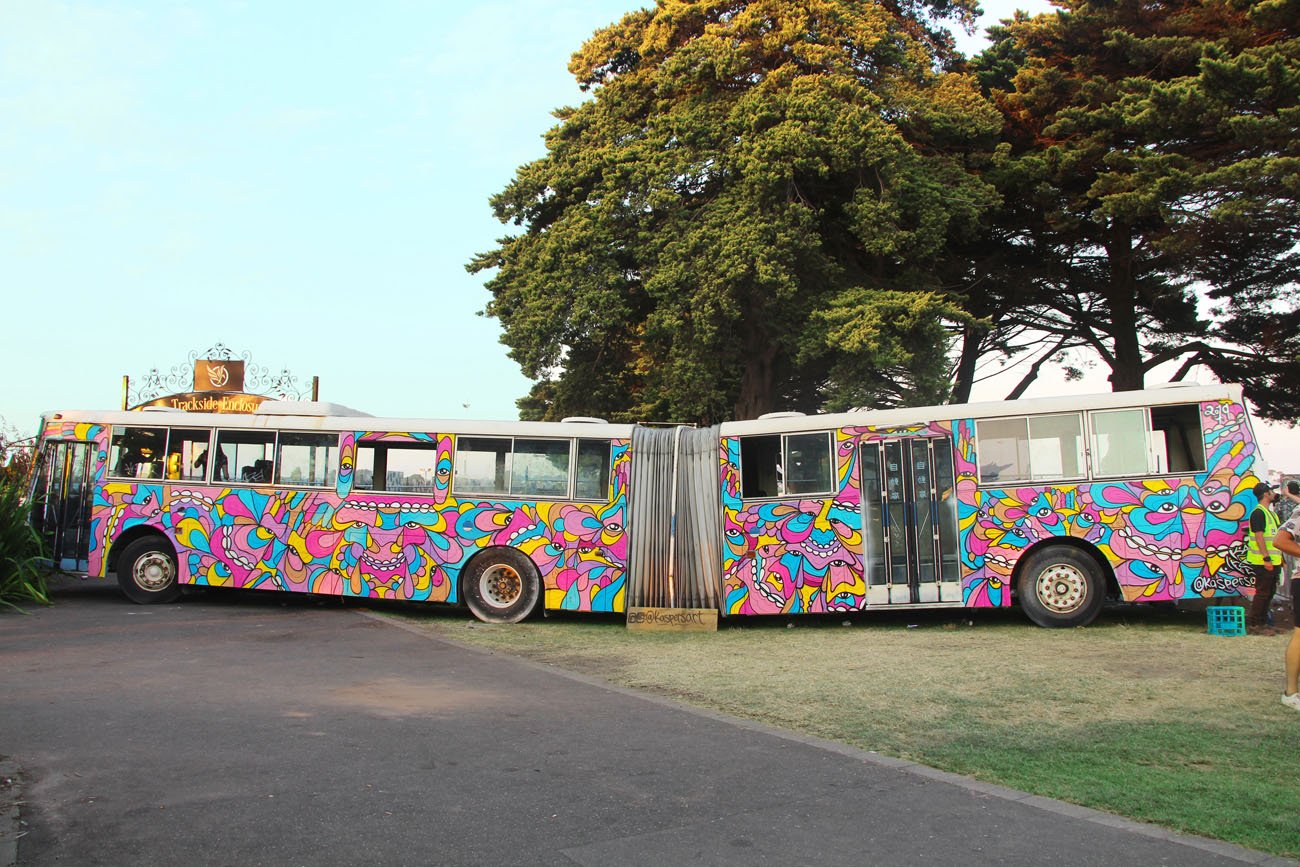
(146, 571)
(501, 586)
(1061, 586)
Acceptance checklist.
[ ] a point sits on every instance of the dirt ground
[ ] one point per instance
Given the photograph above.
(1283, 613)
(1281, 608)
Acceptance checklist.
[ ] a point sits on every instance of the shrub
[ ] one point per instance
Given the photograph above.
(22, 577)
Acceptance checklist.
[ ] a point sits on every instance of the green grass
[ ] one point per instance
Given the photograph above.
(1141, 714)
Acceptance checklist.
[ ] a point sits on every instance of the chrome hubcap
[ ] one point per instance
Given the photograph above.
(500, 585)
(1062, 588)
(153, 572)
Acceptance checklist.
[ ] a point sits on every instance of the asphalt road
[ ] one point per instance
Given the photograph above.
(240, 729)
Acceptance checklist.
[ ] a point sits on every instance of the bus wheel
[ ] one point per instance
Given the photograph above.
(146, 571)
(1061, 586)
(501, 586)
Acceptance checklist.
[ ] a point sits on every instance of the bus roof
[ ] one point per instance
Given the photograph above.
(279, 420)
(351, 420)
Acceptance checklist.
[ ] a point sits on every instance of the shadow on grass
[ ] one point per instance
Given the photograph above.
(1116, 615)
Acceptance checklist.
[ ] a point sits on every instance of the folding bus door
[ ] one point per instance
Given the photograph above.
(909, 521)
(61, 507)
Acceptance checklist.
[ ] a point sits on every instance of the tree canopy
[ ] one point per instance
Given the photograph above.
(816, 204)
(1152, 176)
(748, 214)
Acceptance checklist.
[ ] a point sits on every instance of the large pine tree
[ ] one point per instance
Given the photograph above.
(753, 212)
(1152, 180)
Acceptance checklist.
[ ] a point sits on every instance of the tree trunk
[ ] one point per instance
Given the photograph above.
(1126, 369)
(964, 375)
(758, 385)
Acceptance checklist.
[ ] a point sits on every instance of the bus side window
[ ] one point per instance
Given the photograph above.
(1003, 448)
(406, 467)
(368, 474)
(138, 452)
(808, 467)
(1056, 447)
(247, 455)
(187, 454)
(593, 470)
(307, 459)
(540, 468)
(1034, 448)
(482, 465)
(760, 467)
(1119, 442)
(1177, 439)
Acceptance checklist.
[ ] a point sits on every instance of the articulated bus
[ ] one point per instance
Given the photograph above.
(1053, 504)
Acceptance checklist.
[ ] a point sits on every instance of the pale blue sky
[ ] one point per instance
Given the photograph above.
(304, 181)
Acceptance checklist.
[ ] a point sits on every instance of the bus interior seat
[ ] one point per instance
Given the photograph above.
(260, 471)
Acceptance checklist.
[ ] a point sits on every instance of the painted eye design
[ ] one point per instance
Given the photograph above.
(1167, 508)
(1043, 512)
(1215, 506)
(613, 527)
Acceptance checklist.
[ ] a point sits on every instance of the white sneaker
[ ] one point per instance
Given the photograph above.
(1292, 701)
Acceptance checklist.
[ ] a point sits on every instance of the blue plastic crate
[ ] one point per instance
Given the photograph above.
(1226, 620)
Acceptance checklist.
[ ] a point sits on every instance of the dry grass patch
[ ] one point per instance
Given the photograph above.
(1142, 714)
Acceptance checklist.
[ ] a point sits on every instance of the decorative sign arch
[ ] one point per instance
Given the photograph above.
(219, 380)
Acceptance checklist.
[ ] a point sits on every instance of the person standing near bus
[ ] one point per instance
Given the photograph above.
(1291, 491)
(1287, 540)
(1264, 560)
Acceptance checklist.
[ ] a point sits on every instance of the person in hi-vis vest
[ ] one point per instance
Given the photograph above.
(1263, 558)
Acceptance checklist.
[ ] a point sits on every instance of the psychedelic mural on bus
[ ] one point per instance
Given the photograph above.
(790, 557)
(1166, 539)
(377, 544)
(793, 557)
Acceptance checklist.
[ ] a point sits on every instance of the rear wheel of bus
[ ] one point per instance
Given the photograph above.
(501, 585)
(146, 571)
(1061, 586)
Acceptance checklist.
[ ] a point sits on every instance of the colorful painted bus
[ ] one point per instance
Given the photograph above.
(1055, 504)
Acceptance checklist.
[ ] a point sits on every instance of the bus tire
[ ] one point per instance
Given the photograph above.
(146, 571)
(501, 585)
(1060, 586)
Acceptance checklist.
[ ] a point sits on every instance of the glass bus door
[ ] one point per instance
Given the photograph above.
(61, 503)
(909, 521)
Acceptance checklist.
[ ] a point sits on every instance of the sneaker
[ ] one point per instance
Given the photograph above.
(1292, 701)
